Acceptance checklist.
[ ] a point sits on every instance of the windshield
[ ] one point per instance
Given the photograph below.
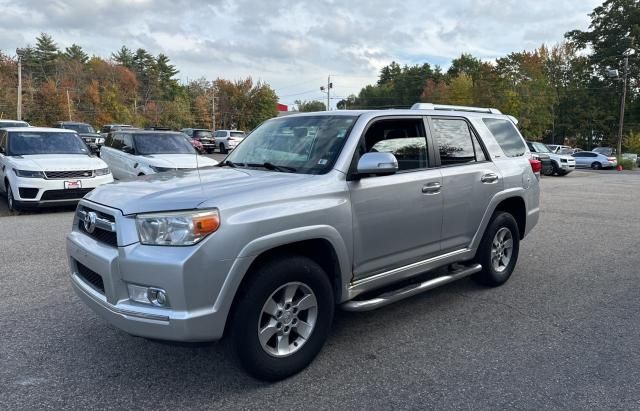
(80, 128)
(202, 134)
(13, 124)
(31, 143)
(237, 134)
(153, 143)
(540, 148)
(305, 144)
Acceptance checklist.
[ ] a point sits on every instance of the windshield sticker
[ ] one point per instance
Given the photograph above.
(322, 162)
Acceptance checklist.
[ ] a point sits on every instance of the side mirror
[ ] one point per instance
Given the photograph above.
(377, 164)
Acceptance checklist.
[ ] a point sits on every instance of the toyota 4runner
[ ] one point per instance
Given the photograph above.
(355, 209)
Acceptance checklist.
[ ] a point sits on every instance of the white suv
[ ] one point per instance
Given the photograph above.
(46, 167)
(227, 140)
(132, 153)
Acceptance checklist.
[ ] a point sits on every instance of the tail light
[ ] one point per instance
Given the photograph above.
(612, 159)
(536, 165)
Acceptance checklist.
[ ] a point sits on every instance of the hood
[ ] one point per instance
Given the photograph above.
(90, 135)
(559, 157)
(185, 190)
(58, 162)
(177, 161)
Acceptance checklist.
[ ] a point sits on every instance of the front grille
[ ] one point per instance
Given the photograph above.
(28, 192)
(68, 174)
(71, 194)
(104, 236)
(90, 277)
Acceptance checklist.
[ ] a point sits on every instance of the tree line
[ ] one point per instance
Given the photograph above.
(132, 87)
(561, 94)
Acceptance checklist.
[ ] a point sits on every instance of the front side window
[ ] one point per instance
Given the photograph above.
(455, 142)
(162, 143)
(301, 144)
(404, 138)
(32, 143)
(507, 136)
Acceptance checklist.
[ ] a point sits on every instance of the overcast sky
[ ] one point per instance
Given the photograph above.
(295, 45)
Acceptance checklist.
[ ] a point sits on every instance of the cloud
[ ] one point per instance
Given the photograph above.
(295, 45)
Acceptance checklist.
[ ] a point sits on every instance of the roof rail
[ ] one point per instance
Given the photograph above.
(445, 107)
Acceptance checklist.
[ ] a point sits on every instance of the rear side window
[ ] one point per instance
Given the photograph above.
(456, 143)
(506, 135)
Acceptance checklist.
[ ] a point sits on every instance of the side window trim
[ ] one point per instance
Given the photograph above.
(473, 135)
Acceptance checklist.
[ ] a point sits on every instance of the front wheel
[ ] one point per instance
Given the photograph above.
(498, 251)
(282, 317)
(223, 150)
(11, 201)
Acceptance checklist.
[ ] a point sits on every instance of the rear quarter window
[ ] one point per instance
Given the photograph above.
(506, 135)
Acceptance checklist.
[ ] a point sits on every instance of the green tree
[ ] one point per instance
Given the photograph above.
(124, 57)
(308, 106)
(76, 53)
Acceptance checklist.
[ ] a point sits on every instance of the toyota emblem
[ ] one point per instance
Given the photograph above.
(90, 222)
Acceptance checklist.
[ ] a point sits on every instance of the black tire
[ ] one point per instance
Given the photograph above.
(11, 201)
(596, 165)
(223, 150)
(555, 168)
(248, 314)
(490, 275)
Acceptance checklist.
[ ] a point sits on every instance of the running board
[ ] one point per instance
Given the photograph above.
(400, 294)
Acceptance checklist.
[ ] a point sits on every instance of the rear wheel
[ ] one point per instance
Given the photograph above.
(282, 317)
(596, 165)
(498, 251)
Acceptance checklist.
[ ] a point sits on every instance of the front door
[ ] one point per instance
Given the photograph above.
(396, 218)
(469, 180)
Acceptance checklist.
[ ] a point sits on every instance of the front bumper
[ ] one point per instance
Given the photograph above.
(52, 192)
(567, 167)
(193, 284)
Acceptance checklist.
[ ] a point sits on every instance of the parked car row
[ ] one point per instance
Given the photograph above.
(43, 167)
(223, 140)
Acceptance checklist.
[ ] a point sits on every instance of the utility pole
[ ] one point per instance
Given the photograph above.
(20, 53)
(213, 109)
(68, 105)
(624, 98)
(328, 91)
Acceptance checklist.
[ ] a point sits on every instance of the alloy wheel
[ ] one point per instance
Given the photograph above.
(287, 319)
(501, 249)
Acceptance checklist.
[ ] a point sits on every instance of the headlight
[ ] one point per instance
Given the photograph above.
(179, 228)
(29, 173)
(102, 171)
(99, 140)
(161, 169)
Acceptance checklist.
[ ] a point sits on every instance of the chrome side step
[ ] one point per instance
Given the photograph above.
(410, 290)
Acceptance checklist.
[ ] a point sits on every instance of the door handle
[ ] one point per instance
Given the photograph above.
(431, 188)
(489, 178)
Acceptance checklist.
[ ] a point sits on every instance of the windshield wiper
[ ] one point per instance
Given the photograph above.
(229, 163)
(270, 166)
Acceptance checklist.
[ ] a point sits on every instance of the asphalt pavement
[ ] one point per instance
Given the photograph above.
(561, 334)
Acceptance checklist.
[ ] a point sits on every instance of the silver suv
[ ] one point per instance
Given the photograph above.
(356, 209)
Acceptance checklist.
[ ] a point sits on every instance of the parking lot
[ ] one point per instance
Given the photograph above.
(562, 333)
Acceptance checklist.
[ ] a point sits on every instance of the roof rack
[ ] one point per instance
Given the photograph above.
(445, 107)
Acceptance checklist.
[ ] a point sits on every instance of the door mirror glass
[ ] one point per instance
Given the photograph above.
(377, 164)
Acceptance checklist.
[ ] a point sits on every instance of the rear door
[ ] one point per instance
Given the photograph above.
(469, 179)
(396, 218)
